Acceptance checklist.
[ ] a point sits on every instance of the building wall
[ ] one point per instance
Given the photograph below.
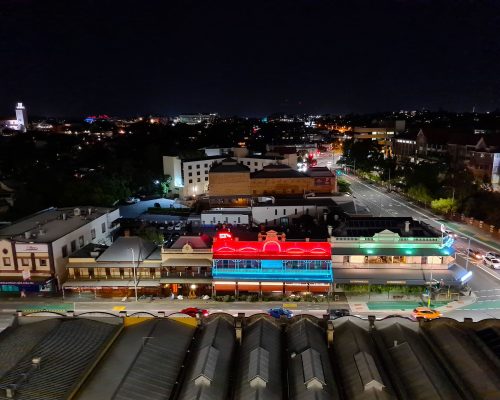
(273, 214)
(172, 166)
(230, 184)
(6, 256)
(255, 164)
(269, 186)
(195, 176)
(213, 218)
(92, 232)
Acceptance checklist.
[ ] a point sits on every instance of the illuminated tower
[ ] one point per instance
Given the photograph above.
(22, 117)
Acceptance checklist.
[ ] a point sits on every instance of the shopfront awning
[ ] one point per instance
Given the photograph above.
(109, 283)
(392, 251)
(181, 262)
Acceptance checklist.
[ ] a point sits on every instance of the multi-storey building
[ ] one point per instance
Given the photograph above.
(35, 250)
(190, 177)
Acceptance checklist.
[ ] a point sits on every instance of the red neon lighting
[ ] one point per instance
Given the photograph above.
(228, 249)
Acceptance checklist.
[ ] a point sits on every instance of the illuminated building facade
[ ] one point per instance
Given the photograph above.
(270, 264)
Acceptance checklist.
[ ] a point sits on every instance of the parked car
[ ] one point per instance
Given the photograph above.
(492, 254)
(492, 262)
(194, 311)
(338, 312)
(178, 226)
(279, 311)
(426, 313)
(132, 200)
(474, 253)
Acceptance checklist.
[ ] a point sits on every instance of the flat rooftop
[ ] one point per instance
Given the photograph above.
(49, 225)
(368, 226)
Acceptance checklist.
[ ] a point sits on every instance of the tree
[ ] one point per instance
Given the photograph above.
(444, 206)
(365, 154)
(152, 235)
(420, 193)
(343, 186)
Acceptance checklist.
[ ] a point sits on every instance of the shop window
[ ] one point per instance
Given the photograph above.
(25, 262)
(43, 262)
(6, 262)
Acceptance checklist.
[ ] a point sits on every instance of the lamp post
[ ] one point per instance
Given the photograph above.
(134, 271)
(467, 251)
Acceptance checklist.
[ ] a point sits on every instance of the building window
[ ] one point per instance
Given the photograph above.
(73, 245)
(295, 211)
(190, 174)
(256, 164)
(275, 212)
(198, 173)
(206, 172)
(25, 262)
(197, 166)
(190, 181)
(43, 262)
(103, 227)
(205, 165)
(80, 241)
(92, 233)
(6, 261)
(198, 180)
(307, 211)
(284, 211)
(248, 163)
(64, 251)
(206, 178)
(190, 167)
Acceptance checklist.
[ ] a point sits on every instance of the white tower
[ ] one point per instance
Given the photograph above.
(22, 117)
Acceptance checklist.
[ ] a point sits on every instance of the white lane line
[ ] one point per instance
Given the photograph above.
(432, 218)
(486, 290)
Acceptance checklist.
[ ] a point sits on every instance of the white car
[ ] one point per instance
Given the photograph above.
(450, 233)
(492, 254)
(492, 262)
(132, 200)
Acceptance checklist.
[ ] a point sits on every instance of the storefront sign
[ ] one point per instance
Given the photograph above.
(31, 248)
(322, 181)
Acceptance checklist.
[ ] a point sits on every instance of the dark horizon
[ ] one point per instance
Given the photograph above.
(326, 57)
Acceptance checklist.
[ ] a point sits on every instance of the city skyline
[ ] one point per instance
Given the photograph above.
(129, 59)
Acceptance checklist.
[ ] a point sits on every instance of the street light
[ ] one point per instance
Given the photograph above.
(134, 271)
(467, 251)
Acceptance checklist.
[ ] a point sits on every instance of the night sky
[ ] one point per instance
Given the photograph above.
(75, 57)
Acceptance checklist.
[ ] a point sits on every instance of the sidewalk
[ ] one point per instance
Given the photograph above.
(473, 232)
(380, 303)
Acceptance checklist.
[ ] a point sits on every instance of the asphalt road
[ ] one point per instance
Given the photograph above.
(384, 204)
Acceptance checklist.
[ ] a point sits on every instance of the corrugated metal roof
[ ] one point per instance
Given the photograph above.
(218, 336)
(304, 338)
(155, 369)
(260, 356)
(63, 357)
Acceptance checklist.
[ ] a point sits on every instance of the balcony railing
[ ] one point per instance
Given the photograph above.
(300, 275)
